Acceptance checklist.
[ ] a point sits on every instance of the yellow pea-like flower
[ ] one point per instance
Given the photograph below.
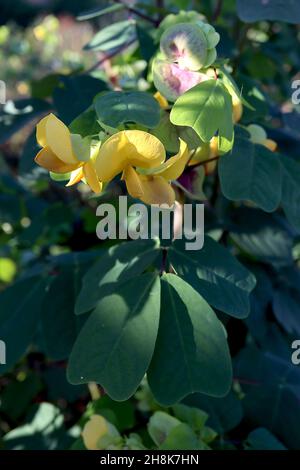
(59, 155)
(208, 151)
(141, 158)
(99, 434)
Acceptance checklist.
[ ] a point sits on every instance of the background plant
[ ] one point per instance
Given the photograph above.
(48, 244)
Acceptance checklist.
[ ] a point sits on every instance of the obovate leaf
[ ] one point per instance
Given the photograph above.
(100, 11)
(216, 275)
(191, 351)
(119, 264)
(115, 346)
(291, 190)
(274, 10)
(207, 108)
(113, 37)
(252, 173)
(116, 107)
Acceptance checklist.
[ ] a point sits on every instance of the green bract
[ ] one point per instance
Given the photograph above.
(191, 45)
(181, 17)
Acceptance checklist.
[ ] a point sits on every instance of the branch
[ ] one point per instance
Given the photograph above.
(217, 11)
(109, 56)
(137, 12)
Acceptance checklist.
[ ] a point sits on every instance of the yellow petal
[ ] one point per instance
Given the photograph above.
(133, 147)
(237, 108)
(174, 167)
(41, 131)
(161, 100)
(94, 429)
(47, 159)
(150, 189)
(75, 177)
(270, 144)
(92, 178)
(58, 138)
(133, 182)
(214, 148)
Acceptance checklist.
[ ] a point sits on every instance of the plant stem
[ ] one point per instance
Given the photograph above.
(137, 12)
(218, 10)
(94, 391)
(109, 56)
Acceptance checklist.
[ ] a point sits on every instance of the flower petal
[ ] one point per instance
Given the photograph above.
(93, 430)
(75, 177)
(161, 100)
(174, 167)
(270, 144)
(132, 147)
(41, 131)
(58, 138)
(92, 178)
(150, 189)
(47, 159)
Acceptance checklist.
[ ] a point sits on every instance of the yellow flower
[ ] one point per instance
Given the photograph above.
(99, 434)
(237, 108)
(259, 136)
(62, 152)
(205, 153)
(140, 157)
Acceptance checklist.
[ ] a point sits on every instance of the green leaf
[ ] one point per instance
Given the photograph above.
(160, 425)
(59, 324)
(251, 173)
(224, 414)
(207, 108)
(118, 265)
(262, 236)
(262, 439)
(271, 384)
(113, 37)
(100, 11)
(147, 44)
(30, 150)
(191, 339)
(216, 275)
(291, 190)
(43, 88)
(20, 309)
(75, 94)
(115, 346)
(116, 107)
(86, 123)
(274, 10)
(182, 437)
(17, 396)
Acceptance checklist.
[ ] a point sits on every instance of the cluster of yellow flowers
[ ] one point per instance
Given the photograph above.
(137, 155)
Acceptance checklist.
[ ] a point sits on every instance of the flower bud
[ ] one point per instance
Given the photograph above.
(172, 81)
(181, 17)
(99, 434)
(190, 45)
(259, 136)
